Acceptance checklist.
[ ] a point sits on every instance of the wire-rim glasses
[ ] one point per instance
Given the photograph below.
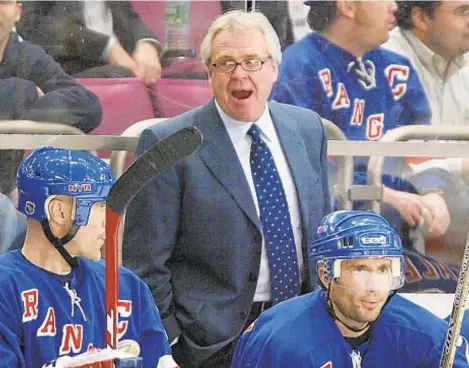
(249, 65)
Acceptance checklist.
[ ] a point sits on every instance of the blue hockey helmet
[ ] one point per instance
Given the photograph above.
(351, 234)
(50, 171)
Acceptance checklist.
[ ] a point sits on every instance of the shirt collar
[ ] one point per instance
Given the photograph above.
(432, 60)
(238, 129)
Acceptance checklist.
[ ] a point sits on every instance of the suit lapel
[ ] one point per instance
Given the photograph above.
(297, 158)
(220, 157)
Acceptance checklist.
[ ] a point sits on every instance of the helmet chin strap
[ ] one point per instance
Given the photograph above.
(331, 311)
(60, 242)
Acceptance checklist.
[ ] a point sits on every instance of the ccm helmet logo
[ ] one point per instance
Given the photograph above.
(373, 240)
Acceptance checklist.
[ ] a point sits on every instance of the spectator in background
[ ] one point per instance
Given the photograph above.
(12, 224)
(275, 11)
(341, 73)
(288, 17)
(94, 38)
(434, 35)
(203, 235)
(34, 87)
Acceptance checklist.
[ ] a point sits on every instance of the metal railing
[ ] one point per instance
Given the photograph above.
(405, 133)
(25, 134)
(344, 168)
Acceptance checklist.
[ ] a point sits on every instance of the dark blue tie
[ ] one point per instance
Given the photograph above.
(275, 218)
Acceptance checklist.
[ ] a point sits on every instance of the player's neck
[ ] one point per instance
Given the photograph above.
(347, 332)
(39, 251)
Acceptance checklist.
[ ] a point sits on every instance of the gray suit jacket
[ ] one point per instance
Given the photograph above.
(193, 233)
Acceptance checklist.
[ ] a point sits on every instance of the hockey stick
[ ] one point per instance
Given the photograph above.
(457, 313)
(161, 156)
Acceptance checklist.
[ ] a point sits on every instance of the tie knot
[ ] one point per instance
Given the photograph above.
(255, 133)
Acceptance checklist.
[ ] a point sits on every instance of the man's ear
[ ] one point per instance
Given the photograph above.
(19, 11)
(346, 8)
(419, 19)
(209, 73)
(59, 210)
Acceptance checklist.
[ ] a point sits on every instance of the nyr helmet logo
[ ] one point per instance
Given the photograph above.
(79, 188)
(374, 239)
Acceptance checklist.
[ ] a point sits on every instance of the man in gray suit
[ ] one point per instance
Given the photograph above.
(93, 39)
(199, 234)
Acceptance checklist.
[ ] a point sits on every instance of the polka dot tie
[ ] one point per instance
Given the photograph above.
(275, 218)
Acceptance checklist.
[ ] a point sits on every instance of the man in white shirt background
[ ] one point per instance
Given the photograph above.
(434, 35)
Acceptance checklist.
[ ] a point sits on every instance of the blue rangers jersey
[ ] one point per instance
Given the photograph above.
(427, 275)
(41, 318)
(300, 333)
(365, 96)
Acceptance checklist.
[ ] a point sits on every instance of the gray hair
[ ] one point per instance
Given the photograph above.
(241, 20)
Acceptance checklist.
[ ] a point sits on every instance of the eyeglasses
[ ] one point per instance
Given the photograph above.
(249, 65)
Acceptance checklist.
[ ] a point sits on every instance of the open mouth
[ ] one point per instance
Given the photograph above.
(241, 94)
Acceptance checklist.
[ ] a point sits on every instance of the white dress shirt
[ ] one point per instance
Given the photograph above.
(237, 130)
(98, 18)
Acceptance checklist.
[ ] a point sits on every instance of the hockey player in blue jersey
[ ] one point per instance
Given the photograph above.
(340, 72)
(354, 320)
(51, 299)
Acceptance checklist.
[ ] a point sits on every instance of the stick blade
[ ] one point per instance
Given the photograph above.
(156, 159)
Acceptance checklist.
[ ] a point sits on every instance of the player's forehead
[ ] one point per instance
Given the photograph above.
(367, 262)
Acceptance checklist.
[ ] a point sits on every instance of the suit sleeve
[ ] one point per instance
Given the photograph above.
(325, 171)
(16, 95)
(151, 232)
(64, 101)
